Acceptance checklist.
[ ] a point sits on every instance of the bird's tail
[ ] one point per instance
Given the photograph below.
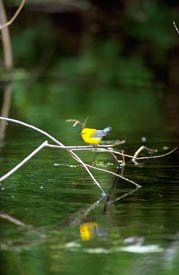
(107, 130)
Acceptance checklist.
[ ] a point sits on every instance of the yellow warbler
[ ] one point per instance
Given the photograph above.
(88, 230)
(93, 136)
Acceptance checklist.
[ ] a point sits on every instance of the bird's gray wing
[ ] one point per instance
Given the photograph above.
(99, 133)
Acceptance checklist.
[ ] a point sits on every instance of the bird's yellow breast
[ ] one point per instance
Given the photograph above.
(88, 135)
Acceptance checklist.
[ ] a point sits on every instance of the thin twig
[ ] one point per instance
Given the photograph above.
(158, 156)
(138, 158)
(20, 164)
(89, 147)
(108, 201)
(124, 195)
(104, 148)
(6, 41)
(76, 122)
(115, 181)
(141, 148)
(13, 220)
(5, 109)
(34, 128)
(8, 64)
(114, 174)
(82, 214)
(14, 16)
(119, 162)
(123, 163)
(75, 156)
(84, 122)
(38, 149)
(176, 28)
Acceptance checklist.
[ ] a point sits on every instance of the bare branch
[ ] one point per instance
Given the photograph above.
(71, 149)
(124, 195)
(88, 147)
(176, 28)
(8, 64)
(123, 163)
(12, 220)
(108, 149)
(6, 41)
(158, 156)
(5, 110)
(84, 122)
(14, 16)
(76, 122)
(20, 164)
(34, 128)
(114, 174)
(141, 148)
(118, 162)
(75, 156)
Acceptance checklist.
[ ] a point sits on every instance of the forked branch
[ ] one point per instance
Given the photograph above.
(8, 23)
(60, 144)
(101, 148)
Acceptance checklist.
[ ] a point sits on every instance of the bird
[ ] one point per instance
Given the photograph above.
(93, 136)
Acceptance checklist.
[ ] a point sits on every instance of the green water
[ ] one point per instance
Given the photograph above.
(69, 228)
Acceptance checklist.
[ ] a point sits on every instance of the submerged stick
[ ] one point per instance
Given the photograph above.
(123, 196)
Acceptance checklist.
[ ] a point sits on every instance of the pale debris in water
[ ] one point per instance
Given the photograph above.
(165, 147)
(141, 248)
(137, 248)
(66, 165)
(72, 245)
(98, 250)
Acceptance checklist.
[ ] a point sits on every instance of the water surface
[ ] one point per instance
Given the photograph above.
(69, 228)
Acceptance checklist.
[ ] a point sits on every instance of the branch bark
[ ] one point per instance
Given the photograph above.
(69, 149)
(176, 28)
(8, 23)
(74, 155)
(8, 64)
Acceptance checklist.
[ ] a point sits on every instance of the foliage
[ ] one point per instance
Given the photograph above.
(103, 62)
(143, 37)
